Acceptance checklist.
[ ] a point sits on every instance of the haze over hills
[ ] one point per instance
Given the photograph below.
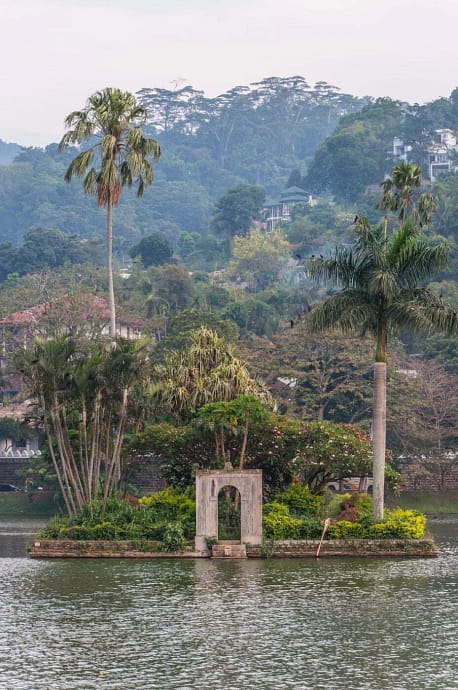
(256, 134)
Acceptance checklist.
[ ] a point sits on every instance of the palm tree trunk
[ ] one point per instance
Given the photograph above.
(111, 299)
(379, 440)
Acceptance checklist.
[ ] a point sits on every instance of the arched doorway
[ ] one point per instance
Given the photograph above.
(208, 486)
(229, 514)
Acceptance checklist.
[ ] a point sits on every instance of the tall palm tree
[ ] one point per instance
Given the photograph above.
(120, 156)
(381, 280)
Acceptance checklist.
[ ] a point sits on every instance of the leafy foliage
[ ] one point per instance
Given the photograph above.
(154, 250)
(355, 154)
(167, 517)
(236, 210)
(283, 448)
(331, 451)
(206, 371)
(398, 524)
(81, 387)
(300, 500)
(259, 259)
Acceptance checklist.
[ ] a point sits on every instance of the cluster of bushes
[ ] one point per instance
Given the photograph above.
(298, 514)
(167, 517)
(294, 514)
(397, 524)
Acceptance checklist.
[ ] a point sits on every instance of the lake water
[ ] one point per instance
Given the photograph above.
(349, 624)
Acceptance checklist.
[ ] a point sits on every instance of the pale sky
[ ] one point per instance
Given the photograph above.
(56, 53)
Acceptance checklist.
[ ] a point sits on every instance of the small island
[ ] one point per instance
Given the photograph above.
(164, 525)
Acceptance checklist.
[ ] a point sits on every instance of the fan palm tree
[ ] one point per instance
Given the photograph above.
(381, 280)
(400, 194)
(120, 156)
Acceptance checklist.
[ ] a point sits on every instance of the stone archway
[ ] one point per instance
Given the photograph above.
(208, 485)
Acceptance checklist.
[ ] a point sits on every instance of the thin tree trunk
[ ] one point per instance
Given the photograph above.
(217, 448)
(112, 481)
(94, 464)
(111, 299)
(379, 440)
(244, 445)
(66, 455)
(61, 477)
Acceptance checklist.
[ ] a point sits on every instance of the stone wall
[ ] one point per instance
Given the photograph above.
(9, 468)
(359, 548)
(145, 475)
(415, 477)
(100, 549)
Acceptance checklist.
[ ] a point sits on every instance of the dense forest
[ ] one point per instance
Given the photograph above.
(195, 250)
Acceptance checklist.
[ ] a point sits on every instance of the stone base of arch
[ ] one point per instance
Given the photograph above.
(208, 485)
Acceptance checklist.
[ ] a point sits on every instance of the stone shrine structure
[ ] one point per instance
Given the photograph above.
(208, 485)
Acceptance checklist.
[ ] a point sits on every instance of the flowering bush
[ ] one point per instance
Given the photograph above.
(398, 524)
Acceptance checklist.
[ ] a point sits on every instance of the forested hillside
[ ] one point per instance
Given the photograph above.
(195, 252)
(252, 134)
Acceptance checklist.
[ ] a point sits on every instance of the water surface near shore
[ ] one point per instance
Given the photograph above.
(353, 624)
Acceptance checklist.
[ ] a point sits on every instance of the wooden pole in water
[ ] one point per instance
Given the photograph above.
(326, 524)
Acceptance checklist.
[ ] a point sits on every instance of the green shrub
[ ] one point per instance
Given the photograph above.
(171, 505)
(77, 532)
(52, 529)
(104, 530)
(399, 524)
(122, 520)
(300, 500)
(275, 507)
(278, 524)
(173, 538)
(363, 502)
(310, 528)
(334, 503)
(346, 530)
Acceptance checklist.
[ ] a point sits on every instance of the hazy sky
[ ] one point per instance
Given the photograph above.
(55, 53)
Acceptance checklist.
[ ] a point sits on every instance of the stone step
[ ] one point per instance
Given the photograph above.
(229, 551)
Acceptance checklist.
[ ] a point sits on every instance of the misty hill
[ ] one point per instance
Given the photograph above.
(8, 152)
(252, 134)
(256, 134)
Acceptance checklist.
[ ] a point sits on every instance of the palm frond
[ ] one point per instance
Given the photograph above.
(79, 165)
(370, 244)
(90, 182)
(382, 284)
(338, 270)
(418, 261)
(422, 310)
(349, 311)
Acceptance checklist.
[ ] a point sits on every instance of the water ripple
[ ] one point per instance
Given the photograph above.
(231, 625)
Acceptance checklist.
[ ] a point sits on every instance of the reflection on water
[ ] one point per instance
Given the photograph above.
(16, 535)
(227, 625)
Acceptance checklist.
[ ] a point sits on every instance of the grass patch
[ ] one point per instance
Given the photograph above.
(17, 504)
(429, 503)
